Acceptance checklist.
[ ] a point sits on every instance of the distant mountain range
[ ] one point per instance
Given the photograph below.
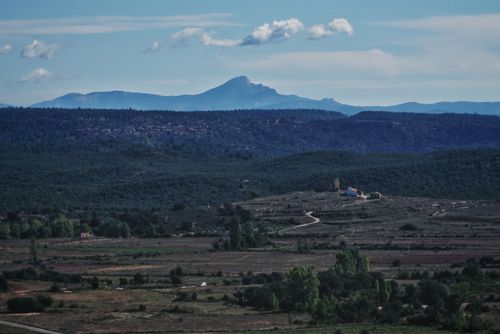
(241, 93)
(3, 105)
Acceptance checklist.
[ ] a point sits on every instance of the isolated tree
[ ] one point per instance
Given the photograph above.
(34, 252)
(94, 282)
(138, 279)
(125, 230)
(235, 234)
(383, 289)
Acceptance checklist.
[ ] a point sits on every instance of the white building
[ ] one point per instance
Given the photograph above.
(351, 192)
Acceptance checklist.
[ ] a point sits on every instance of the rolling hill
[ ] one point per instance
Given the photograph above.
(119, 159)
(262, 133)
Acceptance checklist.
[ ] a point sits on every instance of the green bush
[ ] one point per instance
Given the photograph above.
(24, 305)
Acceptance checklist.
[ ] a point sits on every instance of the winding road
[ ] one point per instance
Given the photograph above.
(315, 220)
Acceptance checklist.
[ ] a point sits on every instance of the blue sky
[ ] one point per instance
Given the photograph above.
(358, 52)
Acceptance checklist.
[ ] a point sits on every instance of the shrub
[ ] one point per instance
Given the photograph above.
(177, 271)
(22, 274)
(94, 282)
(54, 288)
(4, 286)
(176, 280)
(45, 301)
(259, 297)
(24, 305)
(139, 279)
(181, 296)
(178, 207)
(408, 227)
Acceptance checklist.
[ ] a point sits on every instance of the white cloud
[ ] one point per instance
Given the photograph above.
(39, 49)
(277, 31)
(5, 49)
(208, 40)
(341, 25)
(111, 24)
(336, 26)
(319, 31)
(183, 37)
(38, 74)
(153, 47)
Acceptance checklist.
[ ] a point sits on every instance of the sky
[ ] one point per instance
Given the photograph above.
(360, 52)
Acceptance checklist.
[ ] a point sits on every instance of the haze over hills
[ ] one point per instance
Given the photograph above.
(241, 93)
(3, 105)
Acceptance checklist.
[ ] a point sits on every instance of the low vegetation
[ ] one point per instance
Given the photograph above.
(349, 292)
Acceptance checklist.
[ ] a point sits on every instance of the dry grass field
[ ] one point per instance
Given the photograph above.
(447, 232)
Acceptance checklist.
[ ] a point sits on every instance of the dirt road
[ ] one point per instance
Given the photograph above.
(308, 214)
(29, 328)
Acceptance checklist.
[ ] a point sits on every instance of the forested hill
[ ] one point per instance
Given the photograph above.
(261, 133)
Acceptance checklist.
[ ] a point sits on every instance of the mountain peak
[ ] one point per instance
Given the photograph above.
(240, 80)
(240, 86)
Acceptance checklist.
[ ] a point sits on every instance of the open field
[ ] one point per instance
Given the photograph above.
(447, 232)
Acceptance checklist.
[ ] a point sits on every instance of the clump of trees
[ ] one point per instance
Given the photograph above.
(59, 226)
(15, 226)
(242, 233)
(113, 228)
(32, 274)
(29, 304)
(350, 292)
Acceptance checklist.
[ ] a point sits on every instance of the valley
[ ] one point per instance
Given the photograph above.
(403, 237)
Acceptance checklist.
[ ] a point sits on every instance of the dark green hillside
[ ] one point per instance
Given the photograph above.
(125, 159)
(117, 176)
(249, 132)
